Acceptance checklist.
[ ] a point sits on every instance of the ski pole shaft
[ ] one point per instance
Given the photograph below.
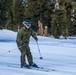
(9, 51)
(39, 50)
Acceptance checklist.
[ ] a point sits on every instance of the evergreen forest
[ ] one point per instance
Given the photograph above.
(58, 15)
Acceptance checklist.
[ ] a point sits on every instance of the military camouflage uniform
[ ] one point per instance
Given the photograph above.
(23, 37)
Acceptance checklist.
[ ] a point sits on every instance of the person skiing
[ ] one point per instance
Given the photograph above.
(23, 37)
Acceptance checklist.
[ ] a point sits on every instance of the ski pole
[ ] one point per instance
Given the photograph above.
(9, 51)
(39, 50)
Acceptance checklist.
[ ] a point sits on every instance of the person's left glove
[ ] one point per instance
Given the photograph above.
(36, 39)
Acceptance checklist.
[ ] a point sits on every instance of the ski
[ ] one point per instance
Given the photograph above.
(43, 69)
(33, 68)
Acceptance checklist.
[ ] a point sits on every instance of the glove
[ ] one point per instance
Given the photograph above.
(36, 39)
(24, 44)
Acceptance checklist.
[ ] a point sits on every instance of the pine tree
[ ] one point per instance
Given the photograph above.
(37, 10)
(2, 12)
(73, 18)
(5, 10)
(60, 24)
(18, 13)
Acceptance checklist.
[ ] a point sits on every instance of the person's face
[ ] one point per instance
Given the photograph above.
(27, 27)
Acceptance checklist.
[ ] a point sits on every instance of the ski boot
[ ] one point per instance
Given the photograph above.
(33, 65)
(25, 66)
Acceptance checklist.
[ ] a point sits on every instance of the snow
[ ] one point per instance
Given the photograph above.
(7, 35)
(59, 54)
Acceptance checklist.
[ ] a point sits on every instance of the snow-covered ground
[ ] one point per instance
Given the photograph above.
(57, 53)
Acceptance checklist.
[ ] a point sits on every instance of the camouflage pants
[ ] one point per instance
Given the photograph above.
(25, 52)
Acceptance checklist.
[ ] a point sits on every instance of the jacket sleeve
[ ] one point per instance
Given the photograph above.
(34, 35)
(19, 38)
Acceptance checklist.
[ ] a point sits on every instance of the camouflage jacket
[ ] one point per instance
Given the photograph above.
(23, 36)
